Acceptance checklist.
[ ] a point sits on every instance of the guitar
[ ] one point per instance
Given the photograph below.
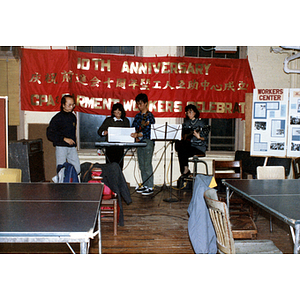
(144, 123)
(204, 131)
(143, 126)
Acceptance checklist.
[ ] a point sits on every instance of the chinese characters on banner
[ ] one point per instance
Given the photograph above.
(276, 123)
(216, 86)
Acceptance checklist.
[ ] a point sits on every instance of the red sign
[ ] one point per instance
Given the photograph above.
(97, 81)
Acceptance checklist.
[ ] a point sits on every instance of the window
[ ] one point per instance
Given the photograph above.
(210, 52)
(6, 48)
(222, 134)
(9, 51)
(107, 49)
(89, 123)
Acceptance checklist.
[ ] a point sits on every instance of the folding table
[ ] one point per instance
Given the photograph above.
(50, 213)
(279, 197)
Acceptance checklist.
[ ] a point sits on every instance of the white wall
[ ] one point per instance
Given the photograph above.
(267, 68)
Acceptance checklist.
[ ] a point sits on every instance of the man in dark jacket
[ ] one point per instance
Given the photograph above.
(142, 123)
(62, 133)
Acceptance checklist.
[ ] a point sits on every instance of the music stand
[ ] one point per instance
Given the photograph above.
(166, 133)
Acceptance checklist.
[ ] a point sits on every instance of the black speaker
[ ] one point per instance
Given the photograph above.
(28, 156)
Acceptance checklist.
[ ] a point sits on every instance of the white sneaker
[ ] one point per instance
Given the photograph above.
(140, 189)
(147, 191)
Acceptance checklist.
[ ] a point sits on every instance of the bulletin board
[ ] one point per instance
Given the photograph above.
(293, 148)
(275, 123)
(3, 132)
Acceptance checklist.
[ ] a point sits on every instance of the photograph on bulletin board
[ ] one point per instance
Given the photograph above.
(293, 149)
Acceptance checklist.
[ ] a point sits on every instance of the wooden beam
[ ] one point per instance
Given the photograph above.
(248, 120)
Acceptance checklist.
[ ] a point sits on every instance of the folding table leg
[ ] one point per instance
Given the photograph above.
(99, 231)
(293, 233)
(83, 248)
(115, 218)
(227, 196)
(297, 238)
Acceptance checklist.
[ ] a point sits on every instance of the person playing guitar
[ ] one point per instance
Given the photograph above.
(194, 138)
(142, 124)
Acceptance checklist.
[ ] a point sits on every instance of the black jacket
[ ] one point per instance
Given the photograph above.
(109, 122)
(113, 178)
(62, 125)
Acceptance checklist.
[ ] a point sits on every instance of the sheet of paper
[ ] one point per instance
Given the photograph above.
(120, 134)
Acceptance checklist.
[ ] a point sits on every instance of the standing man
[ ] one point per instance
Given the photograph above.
(142, 124)
(62, 133)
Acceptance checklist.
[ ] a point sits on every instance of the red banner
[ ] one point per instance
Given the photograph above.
(97, 81)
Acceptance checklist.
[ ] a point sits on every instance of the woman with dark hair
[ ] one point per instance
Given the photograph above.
(194, 138)
(117, 119)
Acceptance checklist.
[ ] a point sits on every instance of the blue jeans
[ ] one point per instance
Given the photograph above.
(144, 155)
(68, 154)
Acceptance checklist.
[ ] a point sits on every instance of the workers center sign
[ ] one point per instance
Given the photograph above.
(216, 86)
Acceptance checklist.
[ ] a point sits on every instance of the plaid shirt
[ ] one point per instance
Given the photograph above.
(147, 129)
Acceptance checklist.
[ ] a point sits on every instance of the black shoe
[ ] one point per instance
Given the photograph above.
(140, 189)
(147, 192)
(186, 174)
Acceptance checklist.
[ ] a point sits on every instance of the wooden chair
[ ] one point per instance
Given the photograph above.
(109, 211)
(243, 227)
(10, 175)
(296, 167)
(109, 202)
(231, 170)
(270, 172)
(219, 214)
